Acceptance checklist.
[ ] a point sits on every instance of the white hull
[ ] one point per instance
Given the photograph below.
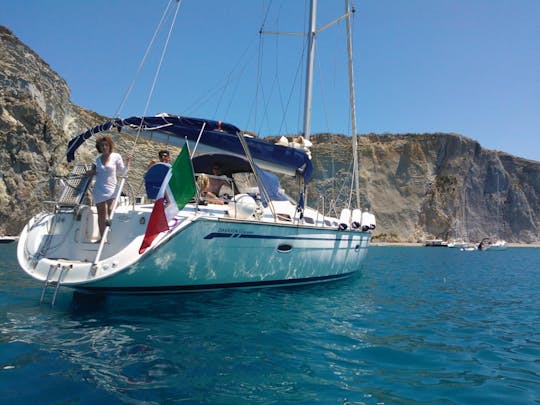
(462, 245)
(497, 245)
(207, 249)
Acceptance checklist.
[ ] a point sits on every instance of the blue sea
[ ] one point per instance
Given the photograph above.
(416, 325)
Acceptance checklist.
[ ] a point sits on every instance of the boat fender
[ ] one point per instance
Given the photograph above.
(367, 222)
(356, 218)
(344, 218)
(373, 223)
(242, 206)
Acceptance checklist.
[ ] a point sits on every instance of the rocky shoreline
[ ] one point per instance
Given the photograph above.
(411, 244)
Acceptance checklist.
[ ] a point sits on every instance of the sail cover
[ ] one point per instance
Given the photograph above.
(216, 136)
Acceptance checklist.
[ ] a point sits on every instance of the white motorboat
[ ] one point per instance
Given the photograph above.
(7, 239)
(254, 236)
(498, 244)
(492, 244)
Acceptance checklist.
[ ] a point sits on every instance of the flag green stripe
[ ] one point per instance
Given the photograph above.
(182, 182)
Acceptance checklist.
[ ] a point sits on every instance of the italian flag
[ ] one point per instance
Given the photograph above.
(178, 188)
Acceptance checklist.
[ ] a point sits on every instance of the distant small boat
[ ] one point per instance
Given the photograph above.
(8, 239)
(457, 244)
(492, 244)
(498, 245)
(436, 243)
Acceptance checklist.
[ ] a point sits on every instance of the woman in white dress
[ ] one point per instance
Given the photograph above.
(106, 168)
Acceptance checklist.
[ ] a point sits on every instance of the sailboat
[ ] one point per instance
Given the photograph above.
(495, 243)
(461, 241)
(254, 236)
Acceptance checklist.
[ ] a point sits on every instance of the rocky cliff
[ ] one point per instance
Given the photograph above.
(419, 186)
(438, 186)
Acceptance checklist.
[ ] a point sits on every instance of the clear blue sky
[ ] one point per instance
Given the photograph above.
(464, 66)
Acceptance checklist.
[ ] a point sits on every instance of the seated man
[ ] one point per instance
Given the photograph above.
(216, 181)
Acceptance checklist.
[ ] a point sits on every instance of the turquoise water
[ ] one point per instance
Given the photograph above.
(418, 325)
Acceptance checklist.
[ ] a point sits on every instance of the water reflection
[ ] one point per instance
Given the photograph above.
(185, 346)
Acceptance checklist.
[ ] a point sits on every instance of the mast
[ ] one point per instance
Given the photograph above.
(309, 68)
(352, 102)
(312, 32)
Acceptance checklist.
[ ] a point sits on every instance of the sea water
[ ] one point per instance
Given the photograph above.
(416, 325)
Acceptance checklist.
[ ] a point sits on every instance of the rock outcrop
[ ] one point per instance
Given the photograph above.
(437, 186)
(419, 186)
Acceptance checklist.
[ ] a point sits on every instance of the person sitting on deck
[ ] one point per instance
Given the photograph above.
(203, 182)
(217, 180)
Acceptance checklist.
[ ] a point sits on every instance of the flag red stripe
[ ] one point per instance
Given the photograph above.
(156, 224)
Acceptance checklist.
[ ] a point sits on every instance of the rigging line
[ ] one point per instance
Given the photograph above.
(122, 182)
(254, 106)
(164, 51)
(234, 76)
(351, 188)
(340, 186)
(261, 91)
(266, 100)
(217, 90)
(276, 80)
(285, 106)
(297, 74)
(322, 89)
(143, 61)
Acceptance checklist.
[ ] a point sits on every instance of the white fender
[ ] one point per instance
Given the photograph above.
(373, 223)
(356, 218)
(242, 206)
(344, 218)
(365, 221)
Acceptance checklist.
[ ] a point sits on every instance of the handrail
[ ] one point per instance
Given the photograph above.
(256, 174)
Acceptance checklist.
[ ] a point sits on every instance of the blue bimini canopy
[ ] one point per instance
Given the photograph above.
(215, 137)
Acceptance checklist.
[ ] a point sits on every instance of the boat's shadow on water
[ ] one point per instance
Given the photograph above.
(82, 303)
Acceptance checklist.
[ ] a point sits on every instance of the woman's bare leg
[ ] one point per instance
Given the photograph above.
(102, 216)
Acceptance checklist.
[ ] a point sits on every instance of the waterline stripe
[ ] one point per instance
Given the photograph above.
(208, 287)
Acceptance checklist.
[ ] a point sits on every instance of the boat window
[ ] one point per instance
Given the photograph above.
(284, 217)
(309, 220)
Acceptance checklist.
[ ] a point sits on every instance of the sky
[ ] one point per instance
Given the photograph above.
(470, 67)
